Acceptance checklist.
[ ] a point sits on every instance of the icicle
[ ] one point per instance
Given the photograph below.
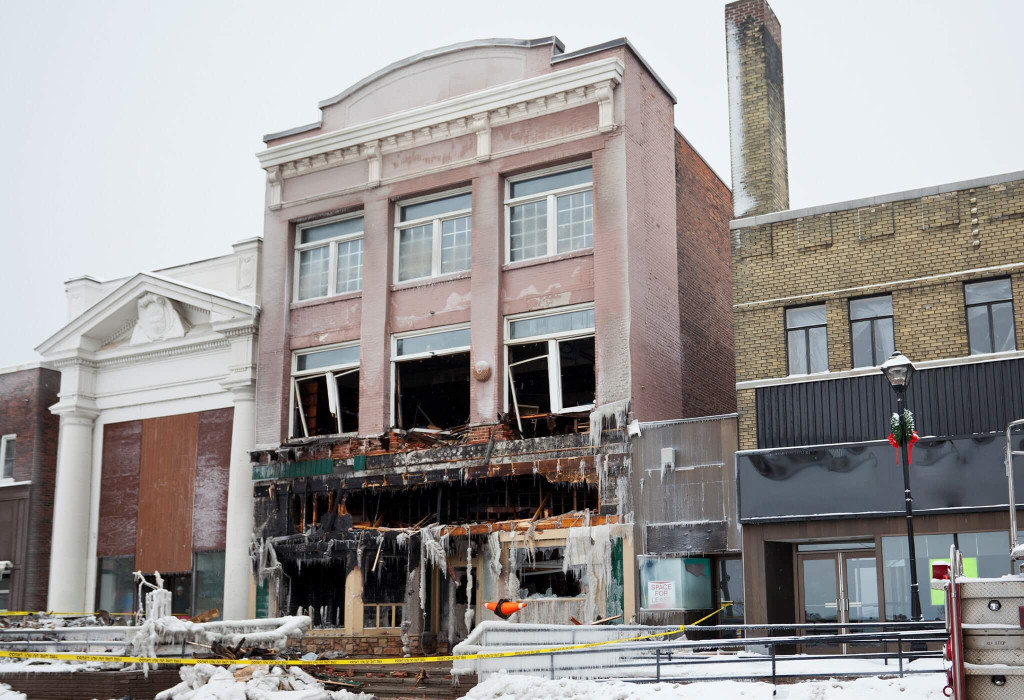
(494, 549)
(613, 413)
(469, 586)
(450, 611)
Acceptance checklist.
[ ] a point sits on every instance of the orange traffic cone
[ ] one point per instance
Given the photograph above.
(504, 608)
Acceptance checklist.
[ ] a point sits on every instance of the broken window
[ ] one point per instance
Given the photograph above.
(433, 236)
(542, 577)
(317, 587)
(5, 586)
(180, 586)
(384, 581)
(431, 378)
(325, 392)
(116, 590)
(550, 364)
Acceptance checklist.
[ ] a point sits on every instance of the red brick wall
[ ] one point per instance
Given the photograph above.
(25, 399)
(703, 210)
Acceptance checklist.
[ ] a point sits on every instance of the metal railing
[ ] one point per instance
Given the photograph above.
(896, 644)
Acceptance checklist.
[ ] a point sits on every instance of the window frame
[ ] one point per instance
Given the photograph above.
(436, 235)
(871, 320)
(6, 574)
(297, 375)
(988, 311)
(396, 358)
(806, 330)
(551, 196)
(553, 356)
(332, 255)
(4, 441)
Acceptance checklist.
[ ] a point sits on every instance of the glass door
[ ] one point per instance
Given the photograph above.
(819, 597)
(837, 588)
(859, 602)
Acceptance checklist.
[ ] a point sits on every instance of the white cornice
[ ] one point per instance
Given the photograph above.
(862, 371)
(470, 113)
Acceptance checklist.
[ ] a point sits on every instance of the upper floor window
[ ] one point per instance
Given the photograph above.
(990, 316)
(550, 212)
(430, 374)
(325, 391)
(550, 363)
(7, 457)
(329, 258)
(871, 330)
(433, 235)
(806, 342)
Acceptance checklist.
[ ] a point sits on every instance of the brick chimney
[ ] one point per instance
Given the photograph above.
(757, 109)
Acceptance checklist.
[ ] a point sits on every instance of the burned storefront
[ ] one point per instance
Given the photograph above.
(398, 551)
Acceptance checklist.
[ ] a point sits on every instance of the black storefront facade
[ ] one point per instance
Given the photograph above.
(821, 499)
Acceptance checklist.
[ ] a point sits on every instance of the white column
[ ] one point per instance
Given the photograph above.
(237, 568)
(71, 508)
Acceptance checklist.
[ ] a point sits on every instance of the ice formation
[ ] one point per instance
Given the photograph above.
(613, 414)
(206, 682)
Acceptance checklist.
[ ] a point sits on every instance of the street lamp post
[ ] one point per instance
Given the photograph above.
(899, 370)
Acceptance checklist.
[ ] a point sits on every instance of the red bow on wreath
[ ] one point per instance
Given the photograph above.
(910, 446)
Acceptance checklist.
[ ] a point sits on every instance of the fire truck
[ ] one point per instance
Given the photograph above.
(985, 616)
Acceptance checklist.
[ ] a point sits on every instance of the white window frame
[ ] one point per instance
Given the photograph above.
(331, 372)
(6, 568)
(332, 254)
(554, 369)
(552, 214)
(436, 222)
(396, 358)
(12, 437)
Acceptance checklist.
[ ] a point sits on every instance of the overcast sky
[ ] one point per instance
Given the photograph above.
(130, 128)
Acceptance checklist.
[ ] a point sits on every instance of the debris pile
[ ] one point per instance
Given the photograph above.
(206, 682)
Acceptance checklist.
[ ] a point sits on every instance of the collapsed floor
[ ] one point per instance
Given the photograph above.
(409, 554)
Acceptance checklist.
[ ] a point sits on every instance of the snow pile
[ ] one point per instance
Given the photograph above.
(206, 682)
(7, 694)
(507, 687)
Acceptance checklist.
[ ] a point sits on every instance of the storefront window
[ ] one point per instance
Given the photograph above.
(985, 555)
(730, 588)
(116, 590)
(209, 568)
(675, 583)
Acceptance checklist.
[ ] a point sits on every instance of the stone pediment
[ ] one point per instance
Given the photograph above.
(146, 311)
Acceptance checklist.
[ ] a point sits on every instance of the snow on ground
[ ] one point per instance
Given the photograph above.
(7, 694)
(515, 687)
(52, 666)
(206, 682)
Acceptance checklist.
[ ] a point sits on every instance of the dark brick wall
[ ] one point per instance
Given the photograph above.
(25, 399)
(703, 210)
(97, 684)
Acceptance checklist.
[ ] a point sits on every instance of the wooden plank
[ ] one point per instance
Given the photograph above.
(213, 463)
(119, 489)
(166, 490)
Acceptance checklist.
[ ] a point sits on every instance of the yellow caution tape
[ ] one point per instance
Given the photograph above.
(339, 662)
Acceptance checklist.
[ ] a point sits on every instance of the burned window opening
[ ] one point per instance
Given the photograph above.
(550, 367)
(320, 411)
(483, 500)
(311, 509)
(385, 577)
(316, 586)
(433, 392)
(543, 576)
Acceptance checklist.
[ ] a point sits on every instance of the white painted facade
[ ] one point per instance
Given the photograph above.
(179, 340)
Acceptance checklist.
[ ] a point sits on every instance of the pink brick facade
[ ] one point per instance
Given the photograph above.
(631, 274)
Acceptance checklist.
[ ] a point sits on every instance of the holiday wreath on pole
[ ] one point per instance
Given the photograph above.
(897, 436)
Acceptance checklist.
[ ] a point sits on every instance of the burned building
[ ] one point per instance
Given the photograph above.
(483, 265)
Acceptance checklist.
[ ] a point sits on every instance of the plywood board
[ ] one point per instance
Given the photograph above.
(166, 484)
